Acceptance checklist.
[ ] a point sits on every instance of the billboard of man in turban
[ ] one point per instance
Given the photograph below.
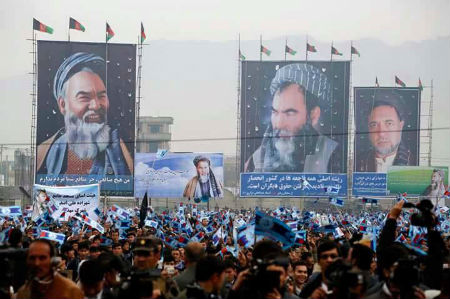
(293, 141)
(204, 184)
(86, 144)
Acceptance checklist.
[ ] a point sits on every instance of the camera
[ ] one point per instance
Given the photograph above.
(425, 217)
(139, 284)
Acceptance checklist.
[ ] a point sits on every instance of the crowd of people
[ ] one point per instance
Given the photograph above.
(193, 253)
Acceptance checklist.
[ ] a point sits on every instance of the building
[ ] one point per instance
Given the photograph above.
(154, 133)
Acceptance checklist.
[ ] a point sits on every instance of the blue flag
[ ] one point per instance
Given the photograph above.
(273, 228)
(337, 201)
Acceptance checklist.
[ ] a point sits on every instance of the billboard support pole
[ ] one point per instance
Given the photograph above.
(238, 124)
(350, 132)
(430, 124)
(138, 98)
(33, 113)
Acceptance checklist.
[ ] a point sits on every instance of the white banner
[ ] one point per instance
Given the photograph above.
(63, 202)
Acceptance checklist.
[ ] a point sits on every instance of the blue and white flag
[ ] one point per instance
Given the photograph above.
(151, 223)
(161, 153)
(337, 201)
(120, 212)
(274, 228)
(51, 236)
(10, 211)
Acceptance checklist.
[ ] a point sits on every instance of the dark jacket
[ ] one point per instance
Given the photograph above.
(314, 282)
(366, 161)
(187, 277)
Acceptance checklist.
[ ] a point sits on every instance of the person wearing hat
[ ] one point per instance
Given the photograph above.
(292, 141)
(385, 122)
(86, 144)
(204, 184)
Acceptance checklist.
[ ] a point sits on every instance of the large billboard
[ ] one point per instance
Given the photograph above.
(294, 120)
(176, 175)
(387, 128)
(86, 115)
(423, 181)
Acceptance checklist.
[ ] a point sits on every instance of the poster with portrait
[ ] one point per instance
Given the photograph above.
(85, 128)
(387, 129)
(177, 175)
(426, 182)
(294, 120)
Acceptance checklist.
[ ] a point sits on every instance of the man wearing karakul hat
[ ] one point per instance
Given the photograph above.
(204, 184)
(87, 144)
(292, 142)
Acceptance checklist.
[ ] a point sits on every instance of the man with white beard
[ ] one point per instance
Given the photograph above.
(87, 144)
(385, 123)
(292, 141)
(204, 184)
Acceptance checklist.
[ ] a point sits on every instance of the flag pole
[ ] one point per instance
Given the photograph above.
(106, 58)
(306, 48)
(68, 33)
(260, 47)
(331, 52)
(285, 47)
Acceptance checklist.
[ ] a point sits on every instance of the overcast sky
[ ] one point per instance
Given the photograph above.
(392, 22)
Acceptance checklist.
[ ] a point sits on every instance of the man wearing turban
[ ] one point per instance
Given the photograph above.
(292, 141)
(86, 144)
(204, 184)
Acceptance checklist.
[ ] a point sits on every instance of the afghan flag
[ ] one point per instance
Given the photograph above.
(354, 51)
(143, 36)
(399, 82)
(241, 56)
(420, 85)
(41, 27)
(265, 50)
(376, 82)
(109, 32)
(310, 48)
(334, 51)
(290, 51)
(74, 24)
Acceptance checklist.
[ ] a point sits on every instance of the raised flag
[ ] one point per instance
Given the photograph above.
(337, 201)
(11, 211)
(143, 212)
(74, 24)
(161, 153)
(151, 223)
(310, 48)
(334, 51)
(376, 82)
(355, 51)
(271, 227)
(143, 36)
(300, 237)
(241, 56)
(51, 236)
(290, 51)
(399, 82)
(420, 85)
(109, 32)
(41, 27)
(265, 50)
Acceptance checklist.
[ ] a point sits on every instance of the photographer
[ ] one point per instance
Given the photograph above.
(44, 281)
(209, 279)
(327, 253)
(400, 271)
(267, 276)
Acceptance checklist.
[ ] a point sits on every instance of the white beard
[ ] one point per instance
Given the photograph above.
(285, 148)
(86, 140)
(204, 178)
